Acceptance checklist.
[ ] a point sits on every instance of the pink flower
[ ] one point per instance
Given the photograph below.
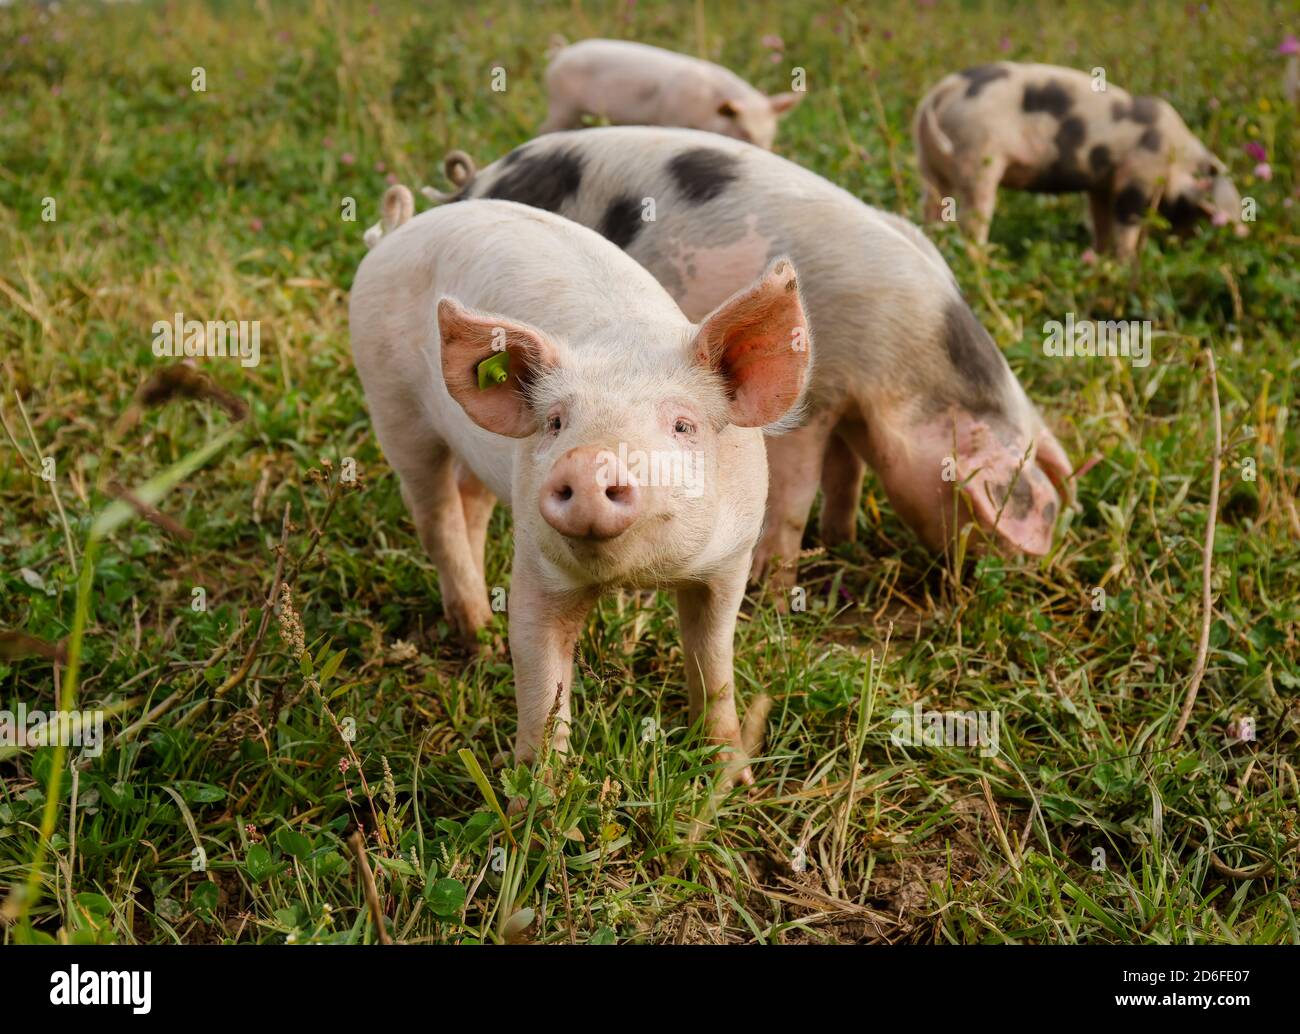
(255, 224)
(391, 179)
(1219, 218)
(1289, 45)
(776, 57)
(773, 42)
(1254, 149)
(1089, 257)
(380, 166)
(56, 89)
(347, 158)
(1264, 171)
(1004, 44)
(328, 143)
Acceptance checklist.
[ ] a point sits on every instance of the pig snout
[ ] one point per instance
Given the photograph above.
(590, 494)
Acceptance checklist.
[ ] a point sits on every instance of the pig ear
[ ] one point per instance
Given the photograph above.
(468, 339)
(758, 341)
(729, 109)
(783, 102)
(1007, 489)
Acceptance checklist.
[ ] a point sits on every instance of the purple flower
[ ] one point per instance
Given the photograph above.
(1255, 149)
(1289, 45)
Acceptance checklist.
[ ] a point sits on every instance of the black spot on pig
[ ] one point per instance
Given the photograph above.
(972, 351)
(1144, 110)
(1065, 174)
(1131, 204)
(1049, 511)
(1182, 212)
(702, 173)
(1020, 502)
(1052, 98)
(980, 76)
(541, 180)
(622, 221)
(1100, 161)
(1150, 139)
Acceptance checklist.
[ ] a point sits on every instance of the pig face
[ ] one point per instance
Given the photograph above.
(622, 448)
(976, 451)
(957, 467)
(1200, 190)
(754, 120)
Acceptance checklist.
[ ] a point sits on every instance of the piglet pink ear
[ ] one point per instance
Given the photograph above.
(758, 341)
(496, 403)
(783, 102)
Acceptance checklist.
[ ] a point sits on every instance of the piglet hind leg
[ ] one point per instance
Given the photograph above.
(843, 472)
(707, 611)
(428, 473)
(979, 197)
(794, 462)
(477, 504)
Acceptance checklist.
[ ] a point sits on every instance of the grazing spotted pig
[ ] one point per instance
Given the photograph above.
(635, 84)
(1046, 129)
(509, 354)
(906, 378)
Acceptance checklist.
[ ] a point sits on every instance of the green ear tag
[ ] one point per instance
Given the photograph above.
(494, 370)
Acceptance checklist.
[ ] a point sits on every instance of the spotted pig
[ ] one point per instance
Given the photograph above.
(1050, 130)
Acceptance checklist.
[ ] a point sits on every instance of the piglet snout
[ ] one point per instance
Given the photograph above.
(590, 494)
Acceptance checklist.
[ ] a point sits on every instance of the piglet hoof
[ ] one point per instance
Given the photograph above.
(466, 621)
(836, 532)
(743, 777)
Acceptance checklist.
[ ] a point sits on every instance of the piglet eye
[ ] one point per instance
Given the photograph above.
(684, 427)
(553, 423)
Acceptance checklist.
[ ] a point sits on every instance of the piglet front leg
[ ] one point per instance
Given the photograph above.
(544, 629)
(707, 611)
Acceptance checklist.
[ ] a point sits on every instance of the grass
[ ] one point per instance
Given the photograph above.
(222, 808)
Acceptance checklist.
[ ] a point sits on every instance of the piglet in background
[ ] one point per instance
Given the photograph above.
(509, 354)
(634, 84)
(1056, 130)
